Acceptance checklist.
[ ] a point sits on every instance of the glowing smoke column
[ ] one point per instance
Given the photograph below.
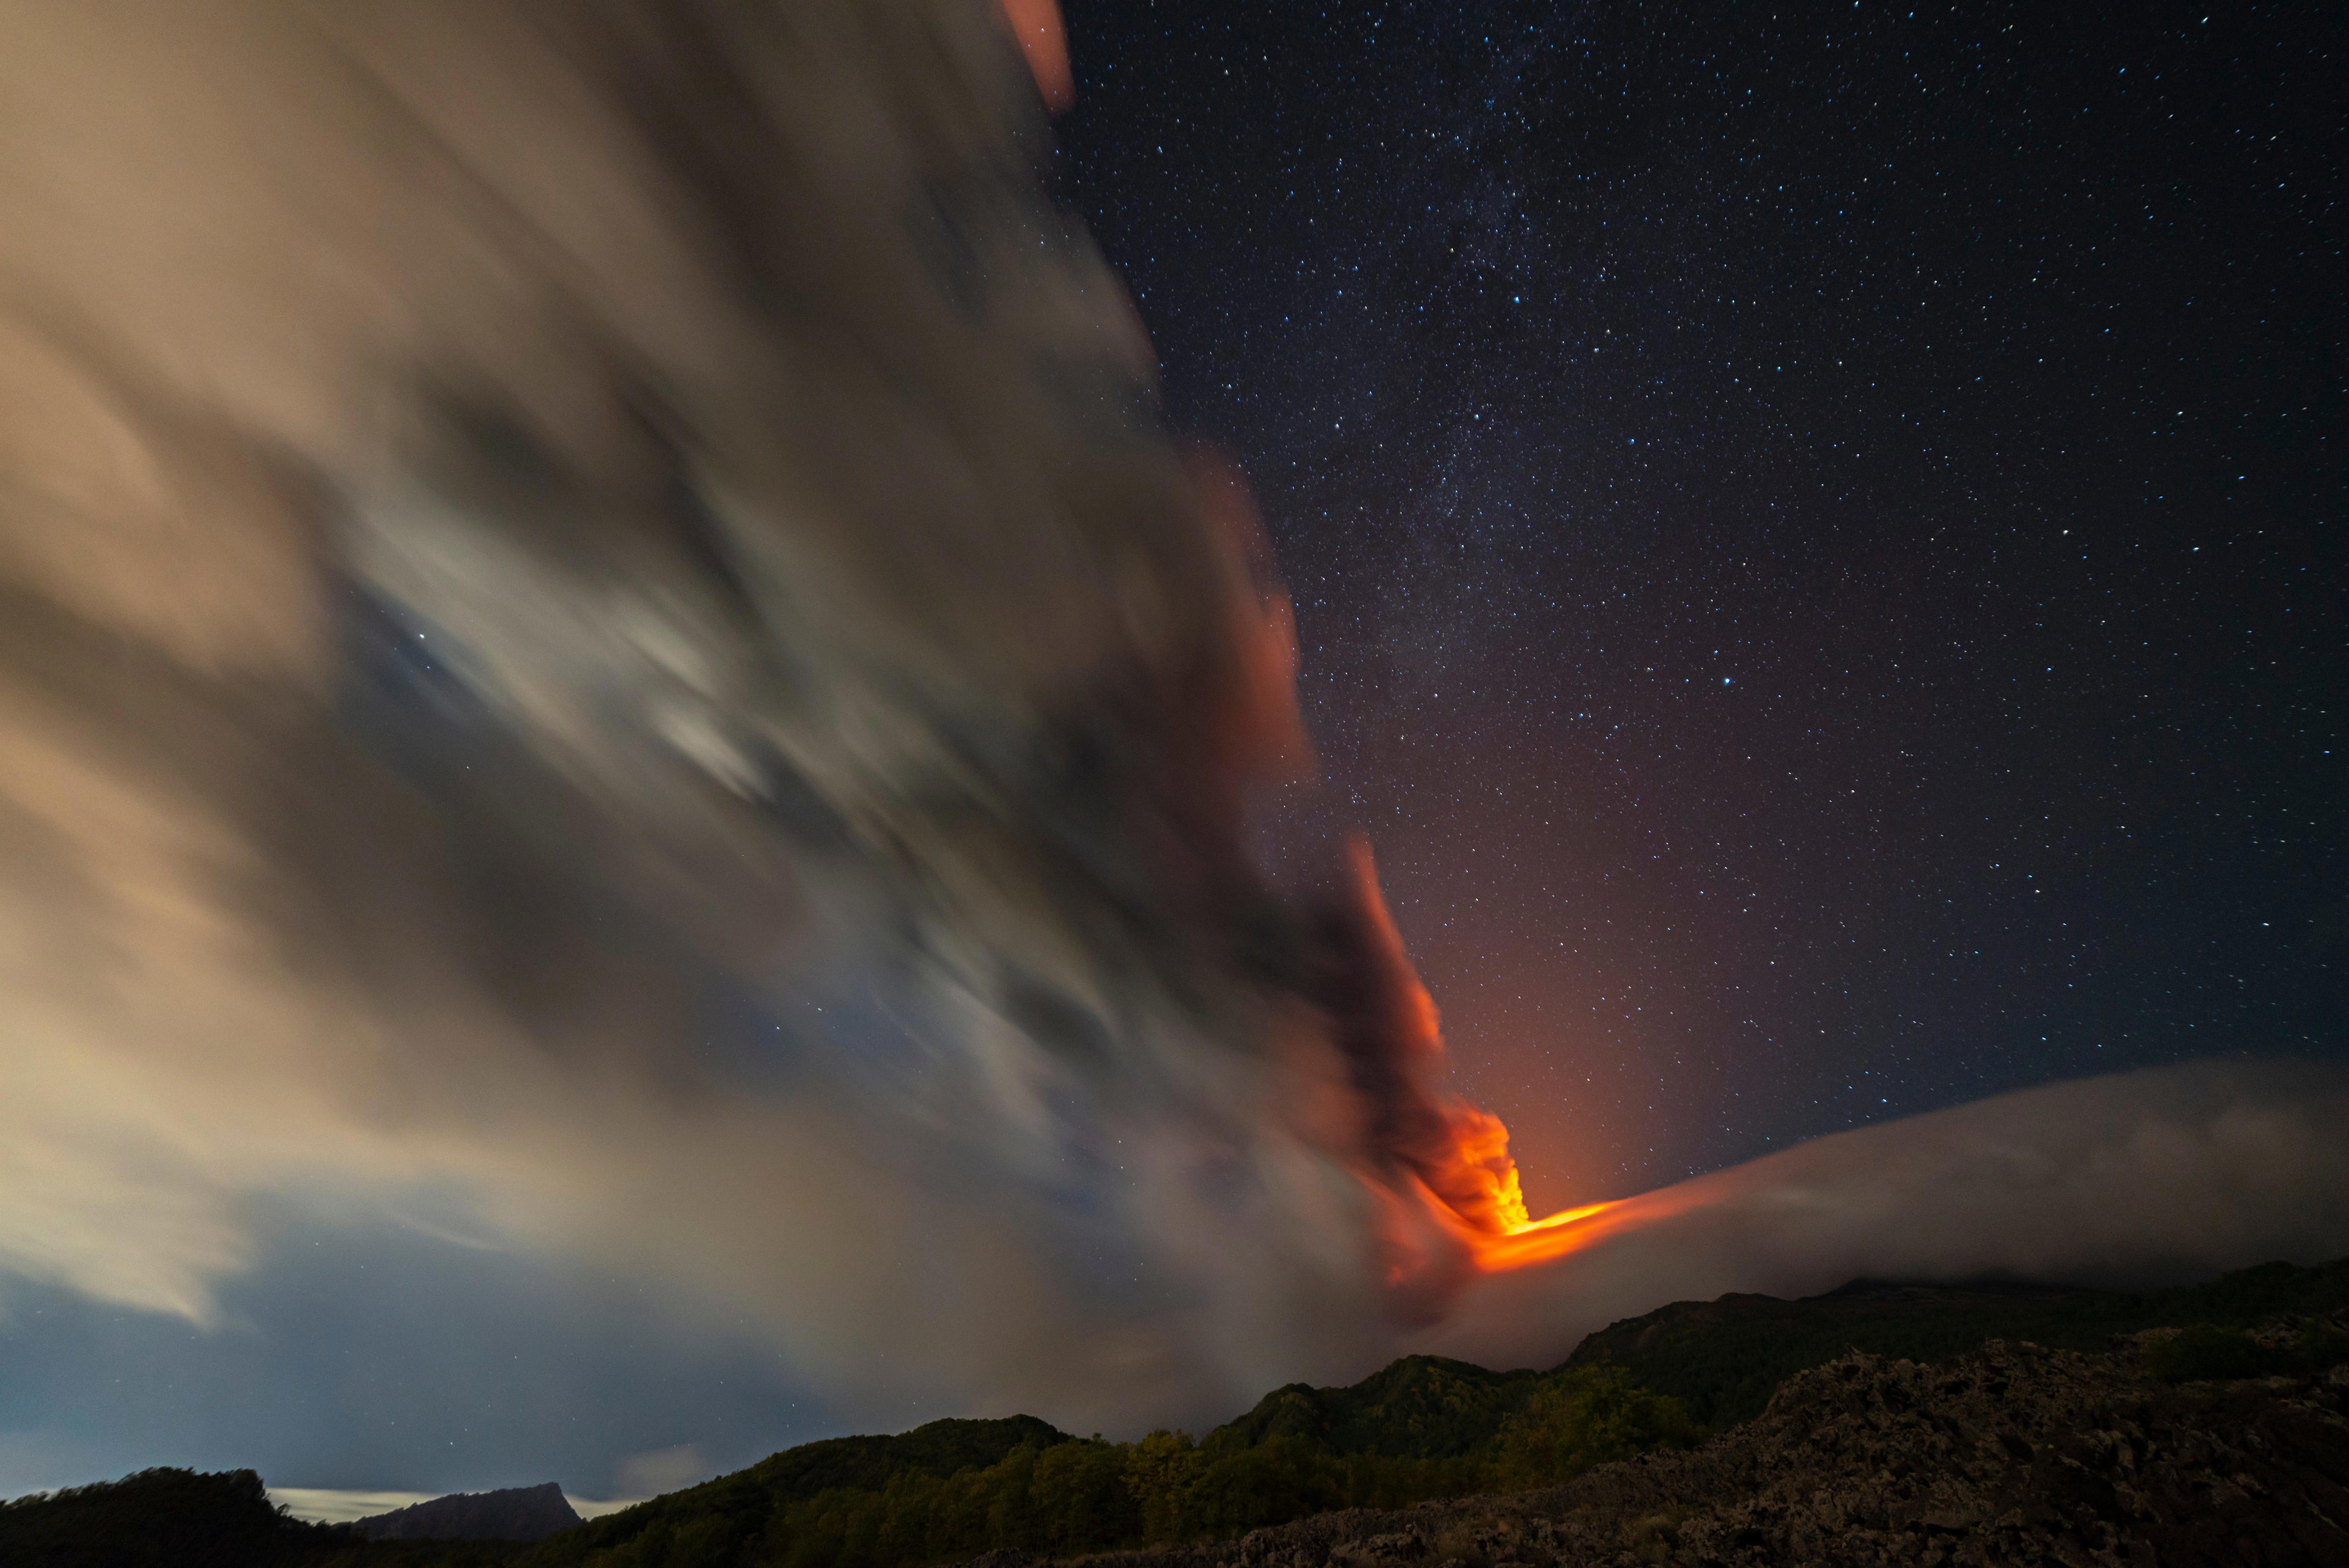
(517, 520)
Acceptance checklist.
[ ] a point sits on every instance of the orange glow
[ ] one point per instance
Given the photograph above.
(1539, 1241)
(1458, 1154)
(1476, 1193)
(1493, 1200)
(1563, 1217)
(1037, 25)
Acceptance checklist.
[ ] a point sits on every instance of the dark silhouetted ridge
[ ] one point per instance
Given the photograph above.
(939, 1448)
(512, 1513)
(1724, 1358)
(161, 1519)
(1422, 1407)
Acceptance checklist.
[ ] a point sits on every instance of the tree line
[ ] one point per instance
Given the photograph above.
(1089, 1495)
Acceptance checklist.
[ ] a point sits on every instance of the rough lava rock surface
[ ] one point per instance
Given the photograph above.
(2013, 1454)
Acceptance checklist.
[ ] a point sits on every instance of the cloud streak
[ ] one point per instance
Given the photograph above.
(640, 682)
(2125, 1182)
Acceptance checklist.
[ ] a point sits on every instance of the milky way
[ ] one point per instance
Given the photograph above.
(1815, 539)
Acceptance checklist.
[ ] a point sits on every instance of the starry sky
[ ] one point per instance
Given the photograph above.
(1815, 532)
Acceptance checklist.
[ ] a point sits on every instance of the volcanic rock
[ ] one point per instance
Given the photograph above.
(2012, 1454)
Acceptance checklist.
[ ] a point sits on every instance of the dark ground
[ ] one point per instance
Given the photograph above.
(2012, 1454)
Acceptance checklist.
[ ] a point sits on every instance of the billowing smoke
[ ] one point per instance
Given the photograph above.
(602, 653)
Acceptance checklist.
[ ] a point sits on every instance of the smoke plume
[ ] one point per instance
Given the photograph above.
(2118, 1182)
(601, 652)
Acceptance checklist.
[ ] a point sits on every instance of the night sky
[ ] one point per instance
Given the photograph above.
(1816, 536)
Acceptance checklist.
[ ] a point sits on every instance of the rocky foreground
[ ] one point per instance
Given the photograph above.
(2013, 1454)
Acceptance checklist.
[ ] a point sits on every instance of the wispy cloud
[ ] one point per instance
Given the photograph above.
(327, 1505)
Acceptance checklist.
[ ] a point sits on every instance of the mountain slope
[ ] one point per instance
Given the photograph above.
(1425, 1428)
(1723, 1358)
(510, 1513)
(732, 1517)
(1422, 1407)
(2010, 1454)
(161, 1519)
(937, 1448)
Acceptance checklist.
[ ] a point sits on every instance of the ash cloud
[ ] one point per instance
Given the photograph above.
(602, 657)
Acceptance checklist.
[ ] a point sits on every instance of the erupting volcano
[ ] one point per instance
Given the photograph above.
(619, 703)
(1477, 1193)
(1451, 1159)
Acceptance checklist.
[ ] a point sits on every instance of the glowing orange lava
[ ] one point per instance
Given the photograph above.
(1538, 1241)
(1475, 1191)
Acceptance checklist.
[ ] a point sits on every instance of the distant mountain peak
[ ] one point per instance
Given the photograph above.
(510, 1513)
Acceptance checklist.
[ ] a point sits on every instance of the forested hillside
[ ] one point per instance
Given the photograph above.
(1723, 1359)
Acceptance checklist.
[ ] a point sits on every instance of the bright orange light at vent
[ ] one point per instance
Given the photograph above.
(1476, 1178)
(1538, 1241)
(1460, 1154)
(1477, 1193)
